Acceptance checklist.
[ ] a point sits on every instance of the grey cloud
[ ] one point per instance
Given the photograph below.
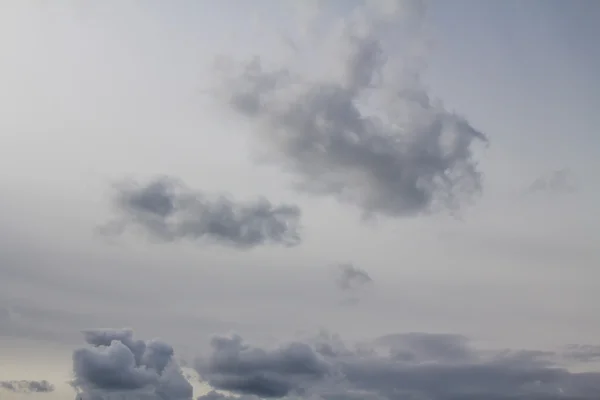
(117, 364)
(167, 210)
(559, 181)
(403, 155)
(241, 368)
(582, 353)
(213, 395)
(425, 347)
(351, 277)
(25, 386)
(412, 366)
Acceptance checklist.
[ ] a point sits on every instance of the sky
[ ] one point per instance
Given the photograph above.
(305, 199)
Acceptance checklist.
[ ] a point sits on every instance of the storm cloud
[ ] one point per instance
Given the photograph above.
(117, 364)
(366, 132)
(166, 210)
(399, 366)
(25, 386)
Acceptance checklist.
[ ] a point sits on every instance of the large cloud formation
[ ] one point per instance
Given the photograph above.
(395, 367)
(167, 210)
(402, 366)
(118, 366)
(25, 386)
(366, 131)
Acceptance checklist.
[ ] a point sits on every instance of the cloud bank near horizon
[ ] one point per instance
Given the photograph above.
(396, 366)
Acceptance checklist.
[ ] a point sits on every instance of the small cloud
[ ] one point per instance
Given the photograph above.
(25, 386)
(554, 182)
(166, 210)
(351, 277)
(352, 282)
(582, 353)
(214, 395)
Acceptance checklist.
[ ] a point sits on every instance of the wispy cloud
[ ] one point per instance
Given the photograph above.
(25, 386)
(166, 210)
(351, 277)
(368, 133)
(554, 182)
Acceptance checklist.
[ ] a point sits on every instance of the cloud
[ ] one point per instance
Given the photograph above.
(400, 366)
(117, 364)
(428, 346)
(555, 182)
(241, 368)
(24, 386)
(351, 277)
(166, 210)
(366, 132)
(582, 353)
(352, 282)
(213, 395)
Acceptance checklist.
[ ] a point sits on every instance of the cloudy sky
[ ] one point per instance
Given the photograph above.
(303, 199)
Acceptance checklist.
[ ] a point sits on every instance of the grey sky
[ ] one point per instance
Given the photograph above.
(95, 93)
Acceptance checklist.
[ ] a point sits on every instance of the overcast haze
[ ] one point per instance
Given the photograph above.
(325, 199)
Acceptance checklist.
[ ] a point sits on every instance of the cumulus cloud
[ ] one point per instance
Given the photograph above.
(25, 386)
(400, 366)
(366, 131)
(116, 364)
(554, 182)
(242, 368)
(165, 209)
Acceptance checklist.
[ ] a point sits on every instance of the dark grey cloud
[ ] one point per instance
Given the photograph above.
(166, 210)
(25, 386)
(368, 134)
(241, 368)
(117, 364)
(394, 367)
(554, 182)
(351, 277)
